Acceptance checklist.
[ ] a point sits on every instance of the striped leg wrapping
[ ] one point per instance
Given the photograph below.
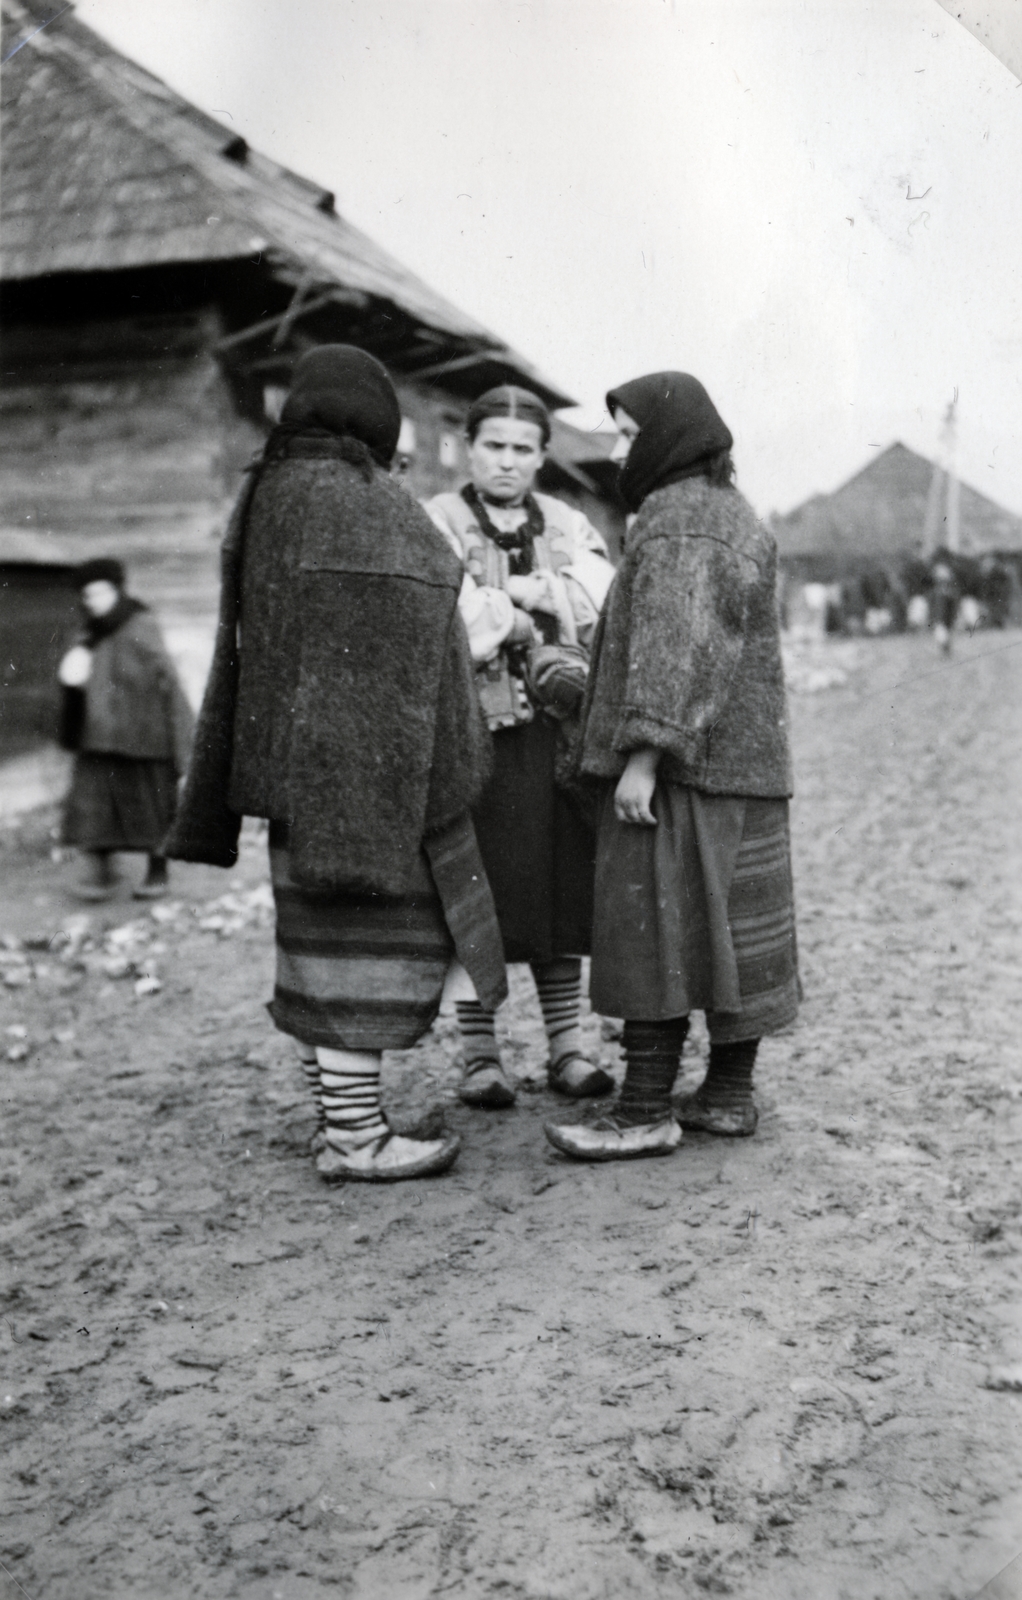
(559, 986)
(310, 1067)
(349, 1082)
(478, 1032)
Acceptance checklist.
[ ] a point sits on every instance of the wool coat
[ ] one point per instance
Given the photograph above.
(341, 698)
(134, 704)
(687, 657)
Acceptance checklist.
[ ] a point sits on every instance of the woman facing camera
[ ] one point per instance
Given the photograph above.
(685, 723)
(126, 716)
(536, 577)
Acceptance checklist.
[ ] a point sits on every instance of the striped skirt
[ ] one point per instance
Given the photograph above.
(697, 914)
(357, 971)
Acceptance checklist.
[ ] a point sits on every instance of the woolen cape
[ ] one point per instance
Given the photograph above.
(341, 699)
(133, 704)
(687, 656)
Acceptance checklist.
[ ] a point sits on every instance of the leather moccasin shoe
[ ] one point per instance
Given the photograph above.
(610, 1139)
(485, 1086)
(387, 1159)
(578, 1078)
(698, 1115)
(151, 891)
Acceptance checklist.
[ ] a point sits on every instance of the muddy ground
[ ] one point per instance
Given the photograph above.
(779, 1369)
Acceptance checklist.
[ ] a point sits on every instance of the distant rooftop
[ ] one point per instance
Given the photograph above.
(881, 512)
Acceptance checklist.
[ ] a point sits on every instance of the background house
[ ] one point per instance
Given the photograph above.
(877, 520)
(158, 281)
(38, 609)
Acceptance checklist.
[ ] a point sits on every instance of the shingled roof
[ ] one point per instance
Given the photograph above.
(880, 513)
(105, 168)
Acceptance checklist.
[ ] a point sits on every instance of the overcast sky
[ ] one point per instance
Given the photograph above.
(811, 204)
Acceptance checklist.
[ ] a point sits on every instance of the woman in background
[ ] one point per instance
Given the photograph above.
(536, 575)
(686, 725)
(126, 717)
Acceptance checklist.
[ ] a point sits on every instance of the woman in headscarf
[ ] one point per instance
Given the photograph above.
(536, 575)
(128, 720)
(341, 706)
(686, 724)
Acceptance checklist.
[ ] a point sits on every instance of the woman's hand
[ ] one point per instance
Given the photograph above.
(531, 593)
(523, 631)
(634, 793)
(75, 669)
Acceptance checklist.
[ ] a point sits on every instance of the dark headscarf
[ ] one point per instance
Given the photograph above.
(680, 431)
(344, 391)
(508, 400)
(101, 569)
(105, 569)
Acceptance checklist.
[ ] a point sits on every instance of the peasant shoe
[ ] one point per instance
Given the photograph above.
(387, 1159)
(485, 1086)
(578, 1078)
(612, 1138)
(697, 1114)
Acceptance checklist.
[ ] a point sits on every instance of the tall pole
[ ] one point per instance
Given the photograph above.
(949, 443)
(941, 525)
(934, 501)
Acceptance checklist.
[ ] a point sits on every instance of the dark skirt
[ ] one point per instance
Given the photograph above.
(697, 914)
(119, 803)
(539, 854)
(357, 971)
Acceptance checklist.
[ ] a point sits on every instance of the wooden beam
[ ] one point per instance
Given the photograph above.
(459, 363)
(338, 297)
(287, 321)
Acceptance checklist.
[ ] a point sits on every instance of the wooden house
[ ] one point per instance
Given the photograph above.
(158, 279)
(38, 613)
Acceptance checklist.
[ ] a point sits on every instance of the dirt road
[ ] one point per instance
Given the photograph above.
(761, 1369)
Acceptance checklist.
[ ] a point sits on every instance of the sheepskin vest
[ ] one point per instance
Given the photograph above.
(687, 656)
(566, 532)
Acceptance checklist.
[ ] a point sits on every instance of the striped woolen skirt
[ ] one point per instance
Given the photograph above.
(356, 971)
(697, 914)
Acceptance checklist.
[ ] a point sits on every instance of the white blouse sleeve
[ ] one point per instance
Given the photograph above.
(489, 618)
(488, 613)
(588, 578)
(587, 537)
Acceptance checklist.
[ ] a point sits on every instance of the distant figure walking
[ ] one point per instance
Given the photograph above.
(685, 722)
(126, 717)
(341, 706)
(945, 599)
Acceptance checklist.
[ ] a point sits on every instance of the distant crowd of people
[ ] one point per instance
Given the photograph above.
(946, 590)
(475, 743)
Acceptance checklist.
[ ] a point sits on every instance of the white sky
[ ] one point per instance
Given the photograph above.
(813, 205)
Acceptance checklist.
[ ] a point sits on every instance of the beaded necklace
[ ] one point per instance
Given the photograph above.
(520, 543)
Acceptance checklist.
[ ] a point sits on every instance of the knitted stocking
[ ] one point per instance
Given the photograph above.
(652, 1056)
(728, 1081)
